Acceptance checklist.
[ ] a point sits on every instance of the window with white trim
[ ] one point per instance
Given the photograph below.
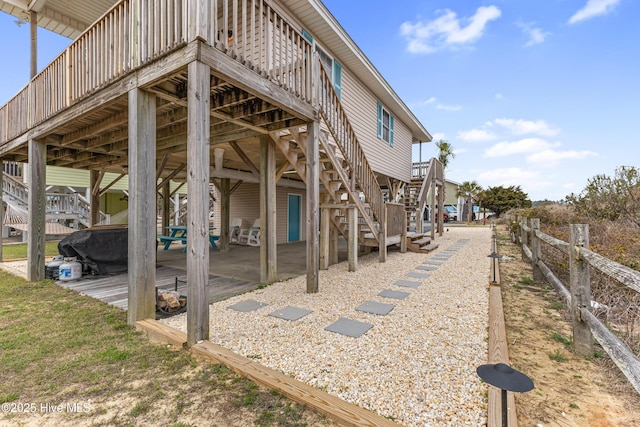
(385, 125)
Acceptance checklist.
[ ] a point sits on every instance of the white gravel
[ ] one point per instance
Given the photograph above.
(416, 364)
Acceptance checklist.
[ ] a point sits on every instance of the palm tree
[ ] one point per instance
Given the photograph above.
(469, 190)
(445, 152)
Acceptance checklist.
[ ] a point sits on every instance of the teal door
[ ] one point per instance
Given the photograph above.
(293, 220)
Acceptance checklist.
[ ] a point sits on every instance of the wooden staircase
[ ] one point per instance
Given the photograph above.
(59, 206)
(345, 173)
(426, 185)
(420, 242)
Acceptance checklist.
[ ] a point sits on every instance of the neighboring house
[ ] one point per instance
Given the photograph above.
(270, 101)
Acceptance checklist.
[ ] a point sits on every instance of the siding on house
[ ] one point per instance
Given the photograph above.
(245, 204)
(361, 107)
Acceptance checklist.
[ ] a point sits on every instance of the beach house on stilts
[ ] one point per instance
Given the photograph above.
(258, 99)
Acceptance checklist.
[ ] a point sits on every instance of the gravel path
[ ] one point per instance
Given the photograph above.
(415, 365)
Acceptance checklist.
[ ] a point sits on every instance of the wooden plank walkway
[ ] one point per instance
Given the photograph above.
(114, 289)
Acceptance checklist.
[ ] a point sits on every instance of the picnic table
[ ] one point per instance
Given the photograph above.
(178, 233)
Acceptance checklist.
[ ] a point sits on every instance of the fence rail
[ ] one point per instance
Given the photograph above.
(586, 326)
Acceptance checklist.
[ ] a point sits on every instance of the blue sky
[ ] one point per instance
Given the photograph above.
(542, 94)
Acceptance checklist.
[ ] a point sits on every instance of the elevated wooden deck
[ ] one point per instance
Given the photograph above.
(114, 290)
(260, 82)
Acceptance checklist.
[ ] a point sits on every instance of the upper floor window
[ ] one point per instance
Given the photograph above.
(385, 125)
(331, 66)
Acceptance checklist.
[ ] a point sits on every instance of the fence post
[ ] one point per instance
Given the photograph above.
(580, 286)
(523, 237)
(536, 252)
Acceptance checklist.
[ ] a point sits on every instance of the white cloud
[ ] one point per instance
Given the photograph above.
(475, 135)
(521, 127)
(449, 107)
(424, 102)
(535, 35)
(447, 31)
(548, 158)
(592, 9)
(527, 145)
(499, 96)
(438, 136)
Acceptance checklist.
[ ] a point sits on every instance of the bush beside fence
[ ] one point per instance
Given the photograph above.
(586, 326)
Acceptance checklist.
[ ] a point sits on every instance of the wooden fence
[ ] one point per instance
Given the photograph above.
(586, 326)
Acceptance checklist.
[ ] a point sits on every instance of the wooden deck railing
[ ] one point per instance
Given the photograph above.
(586, 325)
(336, 119)
(136, 32)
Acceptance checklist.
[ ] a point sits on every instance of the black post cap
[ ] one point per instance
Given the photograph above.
(505, 377)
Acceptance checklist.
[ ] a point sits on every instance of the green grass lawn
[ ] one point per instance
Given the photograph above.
(59, 347)
(19, 250)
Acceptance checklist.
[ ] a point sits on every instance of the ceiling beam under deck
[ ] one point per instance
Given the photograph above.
(117, 120)
(244, 78)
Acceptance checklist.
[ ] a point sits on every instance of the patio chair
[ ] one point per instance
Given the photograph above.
(250, 236)
(234, 230)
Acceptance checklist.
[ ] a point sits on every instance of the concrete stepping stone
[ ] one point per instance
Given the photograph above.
(348, 327)
(408, 283)
(417, 275)
(388, 293)
(247, 305)
(426, 268)
(374, 307)
(433, 262)
(290, 313)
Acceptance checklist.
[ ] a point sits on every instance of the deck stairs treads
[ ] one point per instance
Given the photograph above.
(420, 242)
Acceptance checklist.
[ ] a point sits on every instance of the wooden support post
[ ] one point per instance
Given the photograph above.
(1, 206)
(352, 241)
(94, 197)
(441, 210)
(142, 206)
(432, 212)
(225, 204)
(33, 29)
(382, 236)
(523, 237)
(333, 245)
(268, 246)
(37, 210)
(536, 251)
(580, 287)
(198, 20)
(325, 234)
(198, 122)
(403, 236)
(166, 207)
(313, 199)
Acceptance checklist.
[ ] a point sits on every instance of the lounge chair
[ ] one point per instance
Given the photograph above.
(234, 230)
(250, 236)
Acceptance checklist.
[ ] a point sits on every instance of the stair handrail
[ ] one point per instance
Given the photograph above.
(336, 119)
(423, 194)
(67, 202)
(14, 188)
